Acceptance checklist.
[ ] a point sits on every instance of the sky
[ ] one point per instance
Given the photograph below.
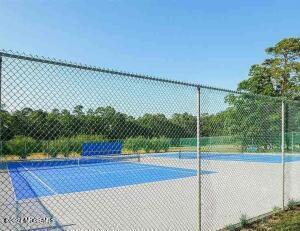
(209, 42)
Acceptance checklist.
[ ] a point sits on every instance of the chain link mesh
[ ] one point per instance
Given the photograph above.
(50, 111)
(86, 148)
(292, 148)
(244, 133)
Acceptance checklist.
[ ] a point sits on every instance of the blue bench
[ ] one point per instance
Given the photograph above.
(102, 148)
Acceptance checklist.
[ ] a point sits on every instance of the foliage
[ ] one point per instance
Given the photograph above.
(22, 146)
(165, 143)
(254, 120)
(245, 120)
(159, 144)
(276, 209)
(54, 147)
(103, 121)
(134, 144)
(67, 145)
(283, 220)
(230, 227)
(147, 146)
(243, 221)
(291, 204)
(6, 125)
(278, 75)
(5, 149)
(154, 144)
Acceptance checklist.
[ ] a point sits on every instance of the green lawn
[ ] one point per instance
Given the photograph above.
(288, 220)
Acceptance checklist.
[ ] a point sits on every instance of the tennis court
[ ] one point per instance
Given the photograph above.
(32, 179)
(103, 186)
(263, 158)
(61, 120)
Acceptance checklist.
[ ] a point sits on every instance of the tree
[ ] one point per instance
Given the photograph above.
(78, 110)
(156, 125)
(185, 125)
(253, 120)
(260, 82)
(7, 129)
(278, 75)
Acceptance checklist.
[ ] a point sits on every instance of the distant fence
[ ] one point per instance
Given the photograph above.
(50, 108)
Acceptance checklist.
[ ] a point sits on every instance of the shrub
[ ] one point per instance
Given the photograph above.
(22, 146)
(160, 144)
(155, 144)
(67, 145)
(243, 221)
(230, 227)
(5, 149)
(276, 209)
(53, 148)
(166, 143)
(134, 144)
(147, 145)
(291, 204)
(88, 138)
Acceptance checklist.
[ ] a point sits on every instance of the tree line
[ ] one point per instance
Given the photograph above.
(103, 121)
(249, 119)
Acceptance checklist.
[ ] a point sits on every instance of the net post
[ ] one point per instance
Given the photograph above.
(199, 157)
(283, 151)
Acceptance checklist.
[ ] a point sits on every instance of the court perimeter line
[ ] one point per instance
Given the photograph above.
(133, 170)
(146, 168)
(12, 185)
(40, 180)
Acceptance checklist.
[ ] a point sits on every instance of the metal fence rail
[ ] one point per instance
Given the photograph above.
(90, 148)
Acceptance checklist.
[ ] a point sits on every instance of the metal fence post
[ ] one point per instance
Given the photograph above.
(283, 151)
(199, 155)
(1, 142)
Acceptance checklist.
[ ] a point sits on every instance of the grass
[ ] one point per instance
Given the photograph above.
(292, 204)
(243, 221)
(282, 220)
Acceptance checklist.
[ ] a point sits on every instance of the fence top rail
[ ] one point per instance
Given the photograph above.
(64, 63)
(53, 61)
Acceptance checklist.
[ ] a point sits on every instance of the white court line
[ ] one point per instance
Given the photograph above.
(133, 163)
(12, 185)
(40, 180)
(133, 170)
(103, 172)
(105, 163)
(146, 168)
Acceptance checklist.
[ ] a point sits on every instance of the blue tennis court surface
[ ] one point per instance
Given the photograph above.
(36, 182)
(264, 158)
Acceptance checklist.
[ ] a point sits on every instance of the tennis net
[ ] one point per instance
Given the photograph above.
(22, 165)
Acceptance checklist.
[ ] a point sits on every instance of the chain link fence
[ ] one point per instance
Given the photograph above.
(88, 148)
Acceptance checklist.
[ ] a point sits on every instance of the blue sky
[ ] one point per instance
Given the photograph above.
(209, 42)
